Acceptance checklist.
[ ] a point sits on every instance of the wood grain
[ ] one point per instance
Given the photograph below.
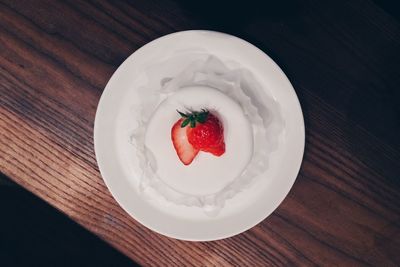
(343, 59)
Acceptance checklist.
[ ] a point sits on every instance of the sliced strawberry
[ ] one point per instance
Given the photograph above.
(183, 148)
(206, 132)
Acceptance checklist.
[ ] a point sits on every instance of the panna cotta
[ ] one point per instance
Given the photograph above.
(202, 178)
(207, 174)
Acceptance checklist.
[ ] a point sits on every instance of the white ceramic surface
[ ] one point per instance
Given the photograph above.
(248, 207)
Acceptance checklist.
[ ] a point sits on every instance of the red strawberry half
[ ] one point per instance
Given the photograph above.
(206, 133)
(185, 151)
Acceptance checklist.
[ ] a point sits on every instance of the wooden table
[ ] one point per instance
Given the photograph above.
(343, 59)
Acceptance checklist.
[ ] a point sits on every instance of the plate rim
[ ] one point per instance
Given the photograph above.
(107, 181)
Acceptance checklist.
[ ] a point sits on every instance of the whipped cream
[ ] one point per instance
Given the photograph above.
(251, 120)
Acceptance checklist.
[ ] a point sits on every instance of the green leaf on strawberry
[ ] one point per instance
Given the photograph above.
(194, 117)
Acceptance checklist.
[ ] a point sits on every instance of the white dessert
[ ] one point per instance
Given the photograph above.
(251, 121)
(207, 174)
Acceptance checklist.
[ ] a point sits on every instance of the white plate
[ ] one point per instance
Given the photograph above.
(247, 208)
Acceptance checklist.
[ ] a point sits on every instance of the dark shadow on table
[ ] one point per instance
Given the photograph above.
(234, 17)
(376, 110)
(32, 233)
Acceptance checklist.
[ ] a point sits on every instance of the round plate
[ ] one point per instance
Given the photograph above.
(244, 210)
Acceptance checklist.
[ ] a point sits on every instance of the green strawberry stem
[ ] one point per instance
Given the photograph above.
(191, 118)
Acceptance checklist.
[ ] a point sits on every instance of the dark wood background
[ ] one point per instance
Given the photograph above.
(32, 233)
(343, 58)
